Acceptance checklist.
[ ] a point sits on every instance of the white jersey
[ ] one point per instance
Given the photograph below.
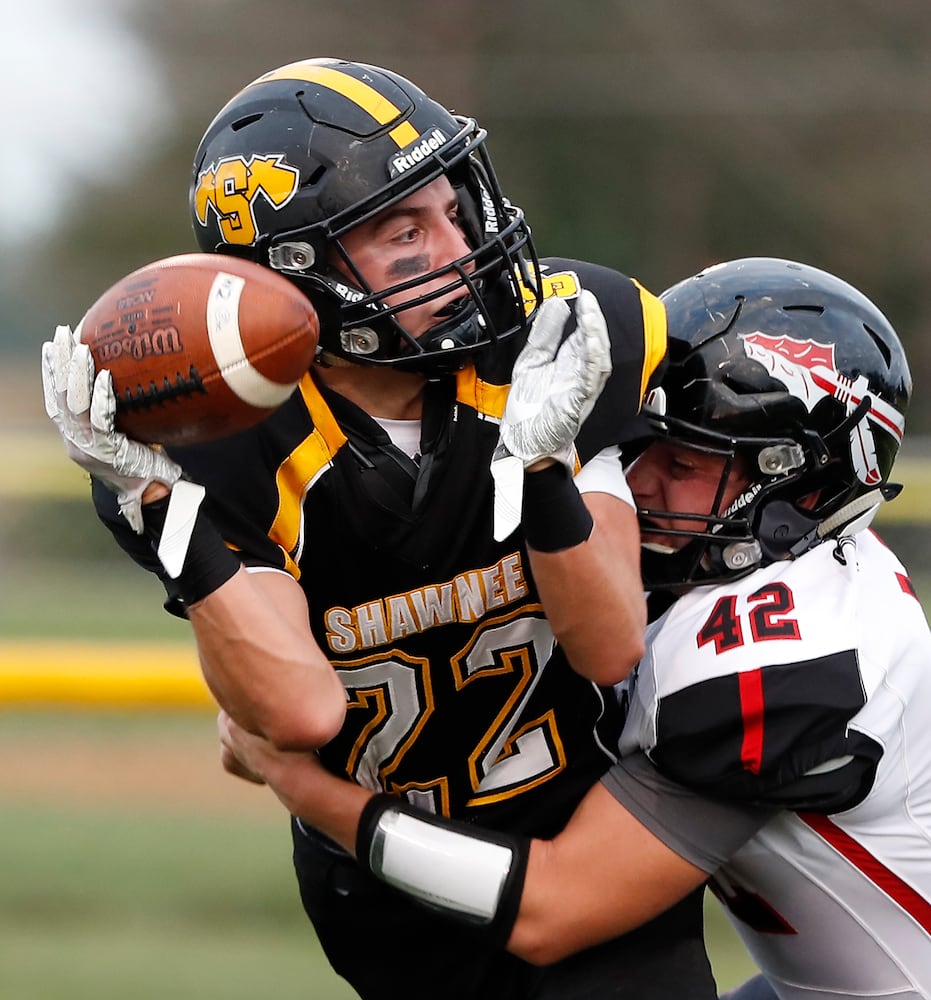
(804, 688)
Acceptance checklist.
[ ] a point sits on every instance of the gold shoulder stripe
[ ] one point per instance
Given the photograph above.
(300, 469)
(654, 334)
(486, 398)
(361, 94)
(558, 284)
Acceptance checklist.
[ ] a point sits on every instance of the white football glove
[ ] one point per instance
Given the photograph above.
(82, 405)
(553, 389)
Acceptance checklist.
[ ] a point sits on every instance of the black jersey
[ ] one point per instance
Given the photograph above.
(457, 696)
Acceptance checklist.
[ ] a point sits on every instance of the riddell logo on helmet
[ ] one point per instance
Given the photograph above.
(346, 293)
(739, 503)
(488, 211)
(417, 152)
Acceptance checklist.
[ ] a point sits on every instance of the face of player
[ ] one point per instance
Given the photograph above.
(673, 477)
(420, 234)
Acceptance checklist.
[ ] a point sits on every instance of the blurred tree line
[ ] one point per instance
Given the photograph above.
(653, 137)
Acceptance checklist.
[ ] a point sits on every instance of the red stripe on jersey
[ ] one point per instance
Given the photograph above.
(906, 584)
(751, 708)
(914, 904)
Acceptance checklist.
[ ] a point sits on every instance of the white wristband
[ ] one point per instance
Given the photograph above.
(440, 866)
(183, 506)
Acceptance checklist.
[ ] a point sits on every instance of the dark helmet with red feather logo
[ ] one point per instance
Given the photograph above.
(800, 378)
(308, 151)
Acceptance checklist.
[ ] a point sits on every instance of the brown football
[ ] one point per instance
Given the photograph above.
(200, 346)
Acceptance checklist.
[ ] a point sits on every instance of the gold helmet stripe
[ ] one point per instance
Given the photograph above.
(361, 94)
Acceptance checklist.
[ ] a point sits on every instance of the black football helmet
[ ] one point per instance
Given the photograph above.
(308, 151)
(801, 378)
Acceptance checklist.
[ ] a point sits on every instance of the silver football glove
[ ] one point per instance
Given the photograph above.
(82, 405)
(553, 390)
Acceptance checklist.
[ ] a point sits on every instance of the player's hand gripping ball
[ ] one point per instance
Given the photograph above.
(200, 346)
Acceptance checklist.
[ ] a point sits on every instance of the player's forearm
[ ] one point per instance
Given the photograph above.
(604, 875)
(262, 667)
(257, 652)
(331, 804)
(592, 593)
(557, 915)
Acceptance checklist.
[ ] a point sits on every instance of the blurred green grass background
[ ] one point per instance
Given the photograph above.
(142, 900)
(110, 893)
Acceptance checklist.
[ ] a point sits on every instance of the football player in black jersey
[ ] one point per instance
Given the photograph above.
(776, 735)
(424, 566)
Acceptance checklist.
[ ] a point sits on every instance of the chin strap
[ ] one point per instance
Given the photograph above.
(782, 521)
(858, 514)
(854, 517)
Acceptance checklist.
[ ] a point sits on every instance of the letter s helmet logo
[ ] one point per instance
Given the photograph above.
(230, 187)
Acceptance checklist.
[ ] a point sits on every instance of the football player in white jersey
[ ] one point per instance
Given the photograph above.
(777, 739)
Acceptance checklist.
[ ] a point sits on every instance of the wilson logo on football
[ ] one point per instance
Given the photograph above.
(165, 340)
(807, 369)
(230, 188)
